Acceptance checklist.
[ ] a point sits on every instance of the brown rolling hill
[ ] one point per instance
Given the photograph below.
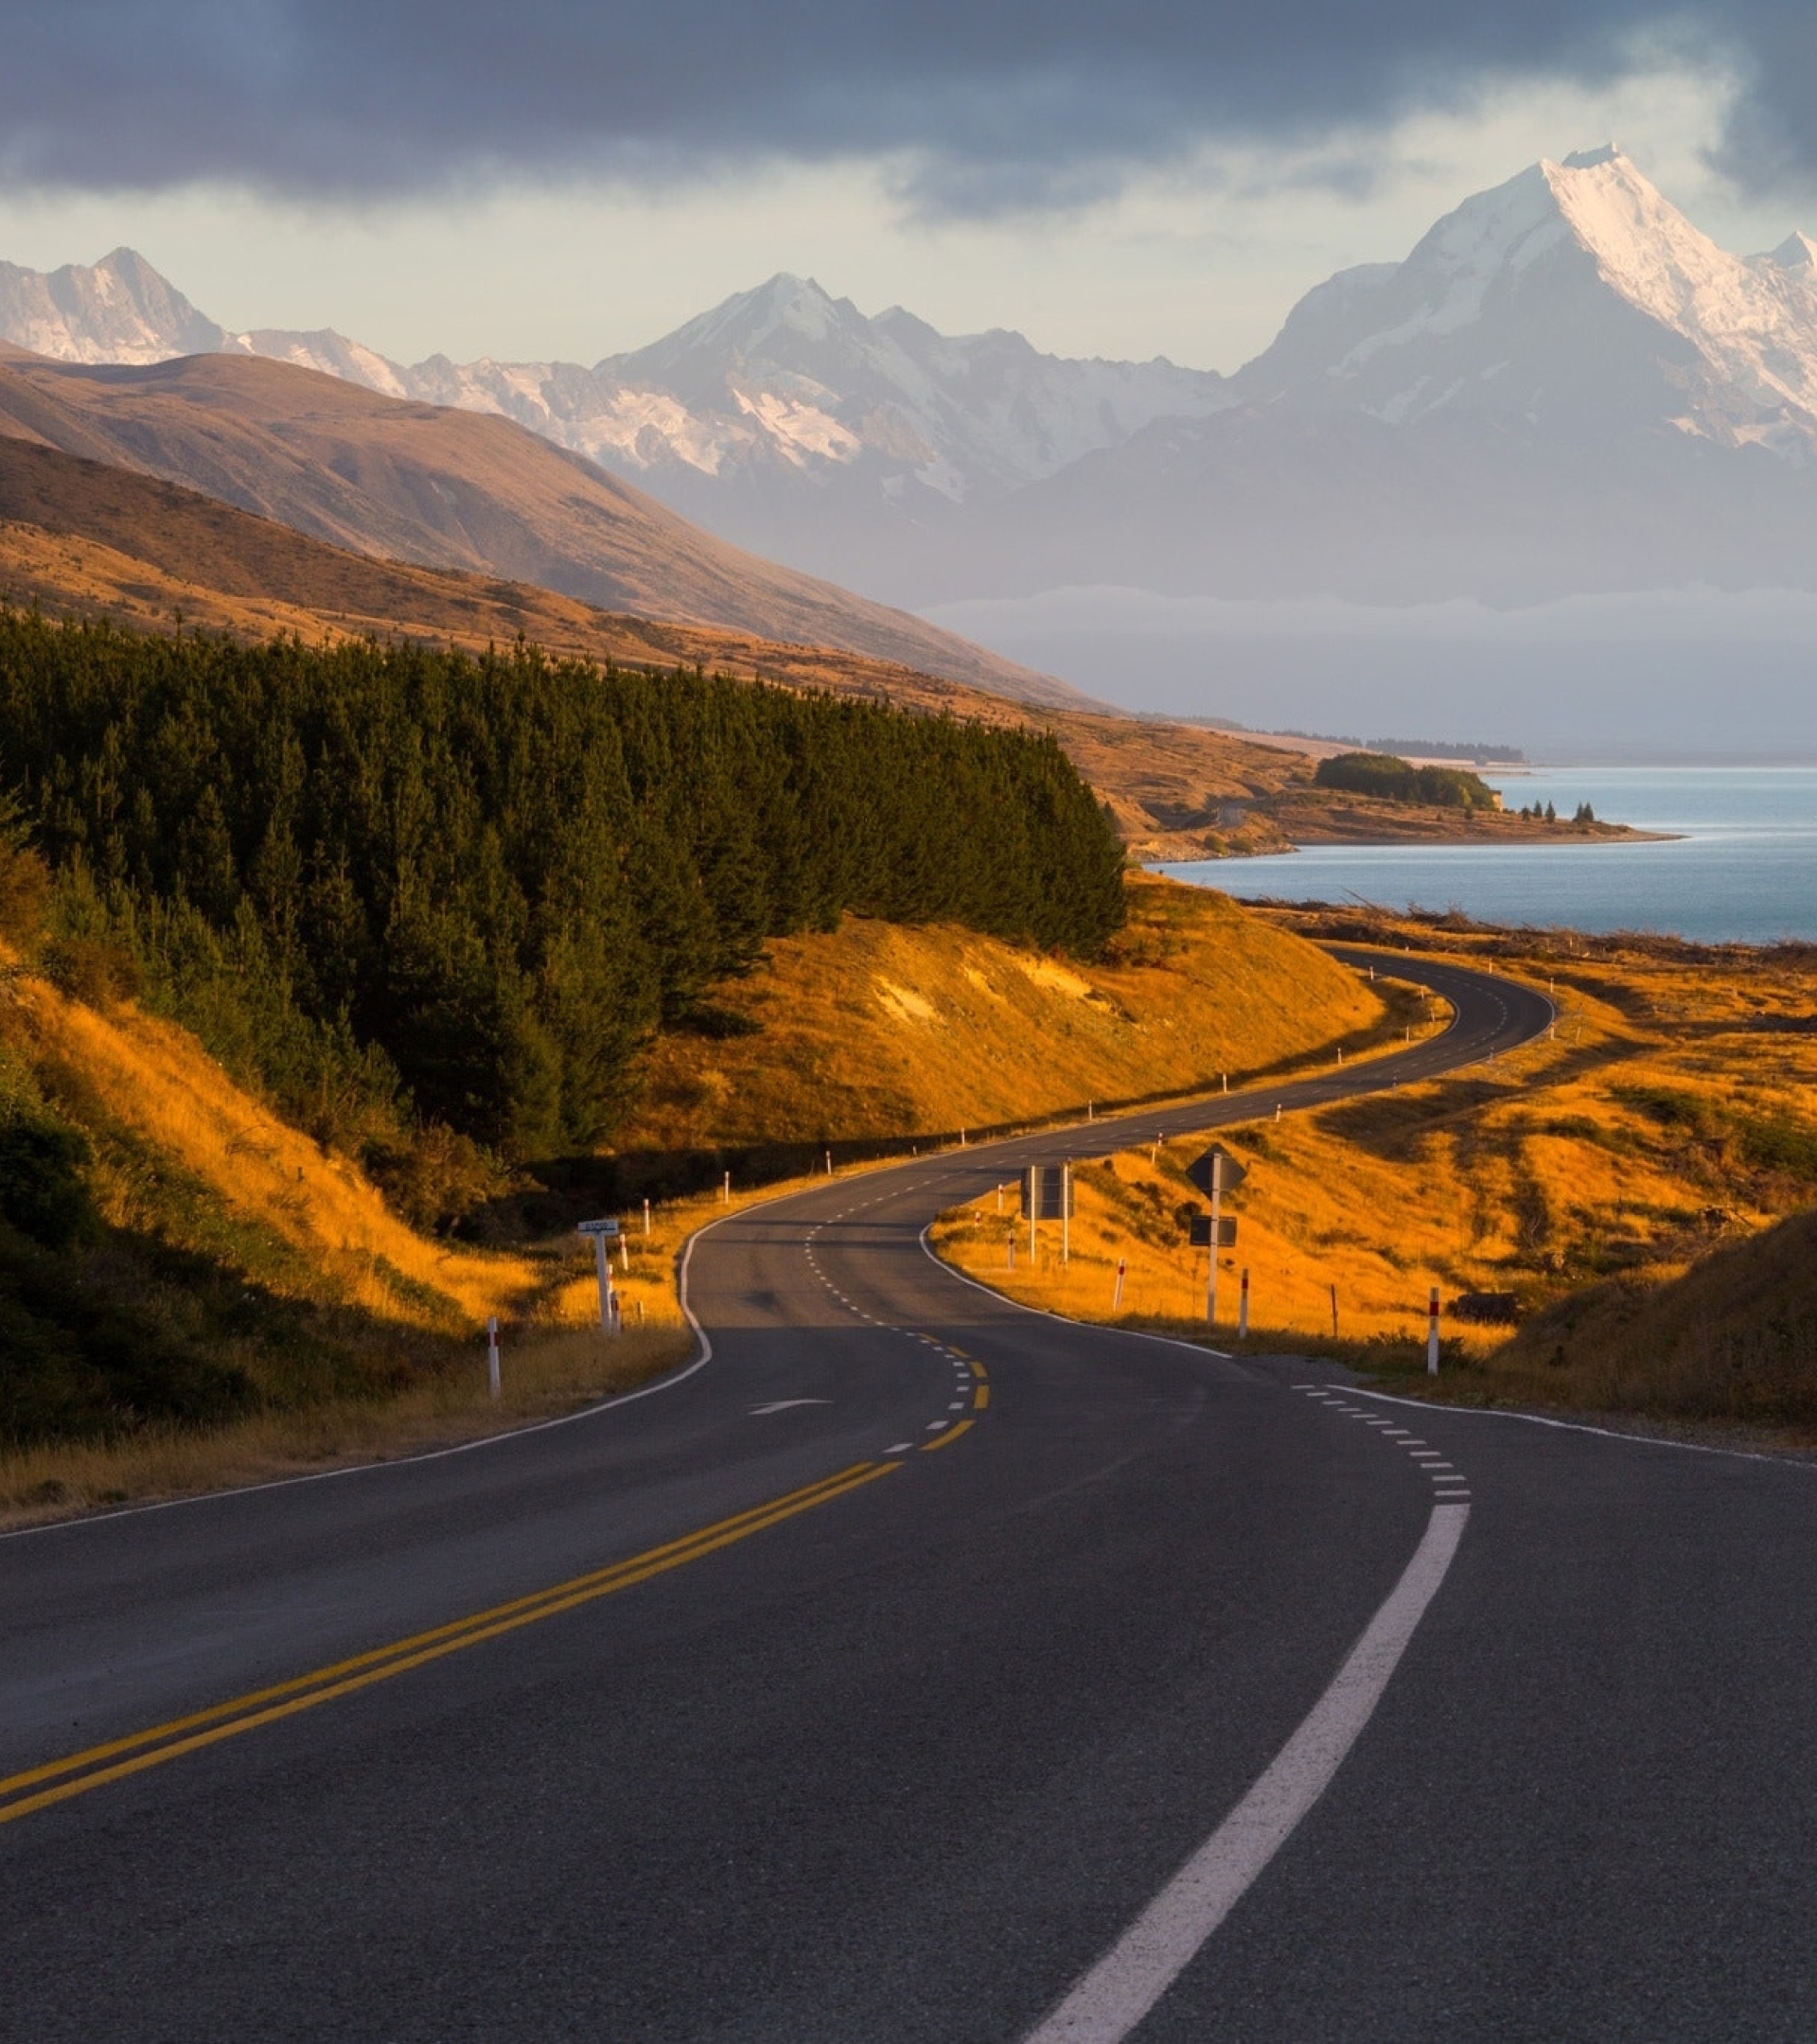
(80, 537)
(442, 489)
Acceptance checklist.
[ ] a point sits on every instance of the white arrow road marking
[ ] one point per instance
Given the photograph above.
(1144, 1963)
(784, 1404)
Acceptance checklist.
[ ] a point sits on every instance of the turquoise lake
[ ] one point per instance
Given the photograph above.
(1741, 868)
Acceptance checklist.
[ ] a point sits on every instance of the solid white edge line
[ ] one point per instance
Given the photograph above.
(1041, 1313)
(665, 1382)
(1581, 1426)
(1133, 1975)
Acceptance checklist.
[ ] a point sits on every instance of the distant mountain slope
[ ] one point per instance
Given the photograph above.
(450, 489)
(1564, 388)
(80, 539)
(116, 310)
(784, 419)
(1572, 294)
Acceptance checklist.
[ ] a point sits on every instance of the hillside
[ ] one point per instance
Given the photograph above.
(877, 1030)
(1566, 386)
(80, 538)
(1734, 1338)
(1637, 1185)
(451, 489)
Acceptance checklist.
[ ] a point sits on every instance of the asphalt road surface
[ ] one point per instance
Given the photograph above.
(916, 1667)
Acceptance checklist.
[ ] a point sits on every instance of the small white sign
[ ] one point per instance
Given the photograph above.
(608, 1228)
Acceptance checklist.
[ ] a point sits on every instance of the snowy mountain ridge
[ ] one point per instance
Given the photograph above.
(783, 378)
(1565, 384)
(1572, 291)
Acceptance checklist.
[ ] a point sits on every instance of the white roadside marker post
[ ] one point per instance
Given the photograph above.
(725, 1197)
(1432, 1333)
(829, 1163)
(603, 1270)
(625, 1253)
(604, 1234)
(1117, 1297)
(1243, 1307)
(1066, 1216)
(492, 1354)
(646, 1217)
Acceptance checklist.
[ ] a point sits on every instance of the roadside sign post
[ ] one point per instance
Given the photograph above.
(492, 1354)
(1047, 1195)
(604, 1234)
(1432, 1333)
(1216, 1173)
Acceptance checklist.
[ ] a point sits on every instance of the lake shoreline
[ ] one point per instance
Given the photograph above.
(1712, 857)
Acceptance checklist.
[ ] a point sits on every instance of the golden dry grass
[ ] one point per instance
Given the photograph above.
(1669, 1117)
(543, 1373)
(881, 1031)
(156, 1080)
(555, 1359)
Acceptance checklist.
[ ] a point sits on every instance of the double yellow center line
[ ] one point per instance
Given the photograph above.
(57, 1781)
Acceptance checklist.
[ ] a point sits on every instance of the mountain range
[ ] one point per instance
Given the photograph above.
(1564, 387)
(447, 489)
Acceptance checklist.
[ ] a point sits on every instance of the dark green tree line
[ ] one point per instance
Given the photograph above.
(385, 879)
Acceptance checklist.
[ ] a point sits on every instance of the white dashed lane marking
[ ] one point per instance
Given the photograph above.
(963, 1382)
(1447, 1481)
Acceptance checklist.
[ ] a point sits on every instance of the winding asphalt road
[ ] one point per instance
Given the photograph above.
(916, 1667)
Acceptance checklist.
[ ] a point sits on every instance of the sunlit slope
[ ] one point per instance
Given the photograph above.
(451, 489)
(1734, 1338)
(877, 1030)
(315, 1227)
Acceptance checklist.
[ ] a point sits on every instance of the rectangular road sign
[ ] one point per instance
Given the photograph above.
(1201, 1226)
(1046, 1192)
(606, 1229)
(1229, 1178)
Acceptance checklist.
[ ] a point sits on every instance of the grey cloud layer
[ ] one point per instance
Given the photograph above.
(989, 105)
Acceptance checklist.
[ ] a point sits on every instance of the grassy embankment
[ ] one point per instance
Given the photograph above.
(283, 1316)
(1635, 1182)
(224, 1234)
(881, 1031)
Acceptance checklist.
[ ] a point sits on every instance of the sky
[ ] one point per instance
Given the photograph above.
(568, 180)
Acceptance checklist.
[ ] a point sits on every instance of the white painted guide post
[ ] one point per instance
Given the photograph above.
(1243, 1307)
(604, 1234)
(1432, 1334)
(492, 1354)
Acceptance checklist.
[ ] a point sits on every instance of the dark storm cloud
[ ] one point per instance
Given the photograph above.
(988, 107)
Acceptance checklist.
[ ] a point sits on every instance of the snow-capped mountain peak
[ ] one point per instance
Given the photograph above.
(116, 310)
(1796, 255)
(1573, 293)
